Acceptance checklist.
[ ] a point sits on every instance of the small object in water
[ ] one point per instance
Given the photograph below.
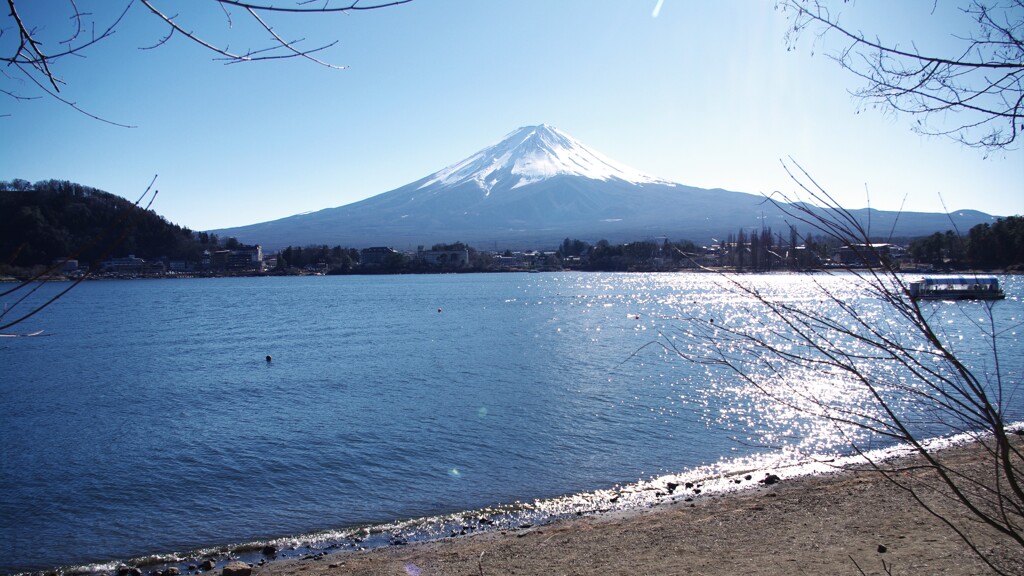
(438, 310)
(269, 358)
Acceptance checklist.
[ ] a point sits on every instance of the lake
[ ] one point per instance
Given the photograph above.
(149, 421)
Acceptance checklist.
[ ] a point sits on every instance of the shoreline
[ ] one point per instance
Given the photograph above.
(820, 516)
(839, 522)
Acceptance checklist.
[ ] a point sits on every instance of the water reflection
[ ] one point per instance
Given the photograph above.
(813, 364)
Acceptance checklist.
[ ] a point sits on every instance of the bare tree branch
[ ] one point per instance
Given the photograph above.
(69, 103)
(27, 54)
(891, 371)
(978, 92)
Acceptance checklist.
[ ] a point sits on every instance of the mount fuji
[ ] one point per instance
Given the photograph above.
(538, 186)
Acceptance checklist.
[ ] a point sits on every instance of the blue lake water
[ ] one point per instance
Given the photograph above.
(149, 421)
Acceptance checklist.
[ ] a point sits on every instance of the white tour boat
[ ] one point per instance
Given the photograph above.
(957, 287)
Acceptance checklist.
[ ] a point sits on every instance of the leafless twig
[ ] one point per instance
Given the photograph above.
(888, 370)
(975, 95)
(28, 56)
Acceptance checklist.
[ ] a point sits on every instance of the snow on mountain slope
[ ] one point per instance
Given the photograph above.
(536, 187)
(533, 154)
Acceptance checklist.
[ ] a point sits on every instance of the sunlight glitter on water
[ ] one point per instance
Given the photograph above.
(779, 400)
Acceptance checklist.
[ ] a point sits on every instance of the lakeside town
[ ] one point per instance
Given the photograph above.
(236, 259)
(58, 229)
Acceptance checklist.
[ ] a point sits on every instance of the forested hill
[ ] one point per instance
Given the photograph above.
(52, 220)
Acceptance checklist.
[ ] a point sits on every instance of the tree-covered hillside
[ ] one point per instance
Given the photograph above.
(985, 246)
(52, 220)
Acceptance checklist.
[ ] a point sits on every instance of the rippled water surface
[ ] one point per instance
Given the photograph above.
(149, 420)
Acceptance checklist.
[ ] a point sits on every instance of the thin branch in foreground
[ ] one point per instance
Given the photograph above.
(885, 368)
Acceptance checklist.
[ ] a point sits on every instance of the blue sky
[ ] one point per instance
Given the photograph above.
(705, 94)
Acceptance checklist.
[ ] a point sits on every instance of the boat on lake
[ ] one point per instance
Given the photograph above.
(956, 287)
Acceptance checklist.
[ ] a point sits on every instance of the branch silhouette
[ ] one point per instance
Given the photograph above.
(25, 51)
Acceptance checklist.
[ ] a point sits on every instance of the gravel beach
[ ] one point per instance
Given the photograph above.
(838, 523)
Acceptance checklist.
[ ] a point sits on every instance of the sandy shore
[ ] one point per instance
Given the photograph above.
(812, 525)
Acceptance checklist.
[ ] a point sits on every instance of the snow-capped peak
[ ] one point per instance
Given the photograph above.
(532, 154)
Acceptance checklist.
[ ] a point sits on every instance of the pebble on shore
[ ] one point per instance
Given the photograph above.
(237, 569)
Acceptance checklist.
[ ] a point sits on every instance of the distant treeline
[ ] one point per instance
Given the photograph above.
(341, 260)
(996, 246)
(985, 246)
(573, 253)
(336, 260)
(999, 245)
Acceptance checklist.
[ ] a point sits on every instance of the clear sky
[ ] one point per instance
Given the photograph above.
(701, 93)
